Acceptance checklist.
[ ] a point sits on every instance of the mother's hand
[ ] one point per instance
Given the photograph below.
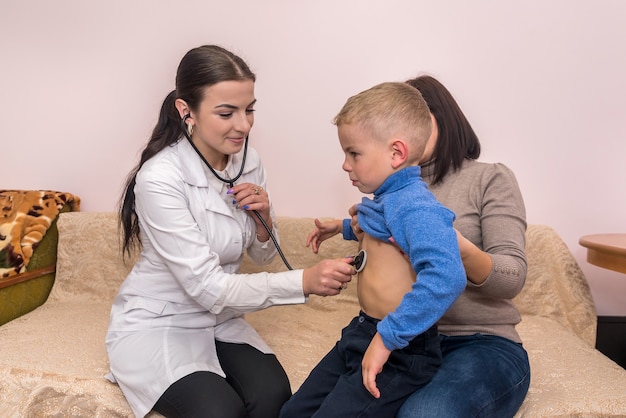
(477, 263)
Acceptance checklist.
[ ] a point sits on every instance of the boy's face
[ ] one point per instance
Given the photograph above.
(367, 160)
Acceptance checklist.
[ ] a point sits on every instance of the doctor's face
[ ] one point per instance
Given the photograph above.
(223, 120)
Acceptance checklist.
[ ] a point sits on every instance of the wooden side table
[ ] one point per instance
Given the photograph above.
(609, 251)
(606, 250)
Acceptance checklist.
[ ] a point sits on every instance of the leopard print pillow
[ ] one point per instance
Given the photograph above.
(25, 216)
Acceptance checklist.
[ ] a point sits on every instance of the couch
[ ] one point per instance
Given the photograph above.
(28, 247)
(53, 359)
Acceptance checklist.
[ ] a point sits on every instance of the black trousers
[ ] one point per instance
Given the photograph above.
(256, 386)
(334, 388)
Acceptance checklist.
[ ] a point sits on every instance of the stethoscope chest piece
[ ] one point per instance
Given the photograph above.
(359, 260)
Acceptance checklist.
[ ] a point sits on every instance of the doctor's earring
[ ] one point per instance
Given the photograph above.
(189, 129)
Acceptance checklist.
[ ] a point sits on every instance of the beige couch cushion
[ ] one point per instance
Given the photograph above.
(53, 359)
(569, 378)
(555, 285)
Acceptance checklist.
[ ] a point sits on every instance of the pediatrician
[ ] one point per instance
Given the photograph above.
(177, 342)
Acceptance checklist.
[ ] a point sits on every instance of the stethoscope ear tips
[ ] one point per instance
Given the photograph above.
(359, 260)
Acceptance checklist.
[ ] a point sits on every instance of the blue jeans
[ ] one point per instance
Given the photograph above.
(334, 388)
(481, 376)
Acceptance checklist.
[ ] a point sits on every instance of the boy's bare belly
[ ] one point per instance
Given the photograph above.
(385, 279)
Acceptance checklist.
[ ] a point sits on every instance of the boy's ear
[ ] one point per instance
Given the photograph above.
(399, 153)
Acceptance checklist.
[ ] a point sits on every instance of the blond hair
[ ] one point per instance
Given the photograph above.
(390, 110)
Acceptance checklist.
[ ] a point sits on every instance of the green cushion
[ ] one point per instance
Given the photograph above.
(21, 298)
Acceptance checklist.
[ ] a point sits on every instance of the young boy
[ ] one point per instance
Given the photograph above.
(412, 272)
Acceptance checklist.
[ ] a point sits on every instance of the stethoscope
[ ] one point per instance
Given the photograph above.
(358, 261)
(231, 182)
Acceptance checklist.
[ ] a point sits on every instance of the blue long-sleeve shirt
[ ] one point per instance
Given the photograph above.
(404, 208)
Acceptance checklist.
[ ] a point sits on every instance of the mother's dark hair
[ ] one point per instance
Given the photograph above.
(457, 140)
(200, 68)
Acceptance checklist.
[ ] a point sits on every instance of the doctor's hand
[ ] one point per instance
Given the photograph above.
(250, 197)
(372, 364)
(328, 277)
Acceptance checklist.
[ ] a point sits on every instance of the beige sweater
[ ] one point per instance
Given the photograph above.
(490, 213)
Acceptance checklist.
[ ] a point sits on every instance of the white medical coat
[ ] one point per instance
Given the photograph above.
(185, 291)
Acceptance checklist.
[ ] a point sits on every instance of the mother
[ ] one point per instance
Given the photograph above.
(485, 370)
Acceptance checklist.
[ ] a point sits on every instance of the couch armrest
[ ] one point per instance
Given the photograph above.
(555, 285)
(26, 276)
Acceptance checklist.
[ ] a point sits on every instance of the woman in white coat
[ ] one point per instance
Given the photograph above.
(177, 341)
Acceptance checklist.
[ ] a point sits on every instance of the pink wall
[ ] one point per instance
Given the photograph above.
(542, 82)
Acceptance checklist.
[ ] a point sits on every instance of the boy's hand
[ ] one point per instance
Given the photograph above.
(354, 223)
(323, 231)
(374, 359)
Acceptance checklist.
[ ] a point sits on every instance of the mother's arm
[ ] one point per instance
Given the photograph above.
(499, 267)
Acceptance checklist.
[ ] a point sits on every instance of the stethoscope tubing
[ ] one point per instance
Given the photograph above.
(231, 183)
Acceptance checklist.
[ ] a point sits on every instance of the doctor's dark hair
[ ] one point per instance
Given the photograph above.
(200, 68)
(457, 140)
